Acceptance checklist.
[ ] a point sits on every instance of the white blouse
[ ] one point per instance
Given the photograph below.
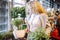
(34, 21)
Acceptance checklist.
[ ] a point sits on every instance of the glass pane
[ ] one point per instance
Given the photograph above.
(2, 19)
(3, 27)
(3, 15)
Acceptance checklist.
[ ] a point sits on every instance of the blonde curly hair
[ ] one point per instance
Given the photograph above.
(37, 7)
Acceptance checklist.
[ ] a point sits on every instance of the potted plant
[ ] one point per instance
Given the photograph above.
(39, 34)
(17, 23)
(21, 32)
(18, 10)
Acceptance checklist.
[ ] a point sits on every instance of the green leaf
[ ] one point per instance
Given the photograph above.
(39, 34)
(17, 22)
(18, 10)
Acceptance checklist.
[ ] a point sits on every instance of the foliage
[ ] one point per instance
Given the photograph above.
(39, 34)
(23, 27)
(5, 35)
(18, 10)
(22, 12)
(17, 22)
(14, 13)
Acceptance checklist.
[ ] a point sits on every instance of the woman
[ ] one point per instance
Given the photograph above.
(37, 17)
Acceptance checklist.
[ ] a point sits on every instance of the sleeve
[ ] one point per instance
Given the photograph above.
(46, 22)
(41, 21)
(45, 18)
